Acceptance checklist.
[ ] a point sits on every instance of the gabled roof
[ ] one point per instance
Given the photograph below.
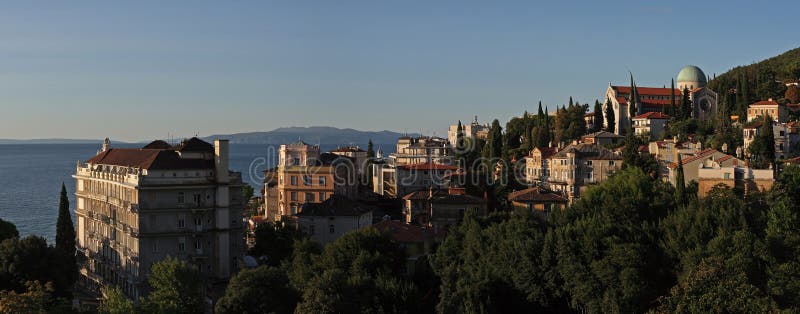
(765, 103)
(428, 166)
(546, 152)
(403, 232)
(194, 145)
(157, 144)
(652, 115)
(536, 194)
(336, 205)
(148, 159)
(754, 124)
(700, 155)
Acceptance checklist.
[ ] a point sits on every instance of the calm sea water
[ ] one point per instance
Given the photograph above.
(31, 177)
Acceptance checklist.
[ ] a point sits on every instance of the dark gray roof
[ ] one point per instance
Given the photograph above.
(588, 151)
(336, 205)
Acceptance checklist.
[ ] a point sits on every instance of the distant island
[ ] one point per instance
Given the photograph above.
(314, 134)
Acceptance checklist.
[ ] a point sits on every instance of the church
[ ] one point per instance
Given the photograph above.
(656, 99)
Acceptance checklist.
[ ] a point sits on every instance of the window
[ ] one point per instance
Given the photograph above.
(311, 230)
(181, 198)
(588, 162)
(294, 209)
(309, 197)
(610, 162)
(294, 180)
(322, 181)
(332, 229)
(306, 180)
(181, 223)
(322, 196)
(196, 199)
(181, 246)
(294, 196)
(155, 246)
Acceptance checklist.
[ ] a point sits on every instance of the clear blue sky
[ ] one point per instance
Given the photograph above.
(140, 70)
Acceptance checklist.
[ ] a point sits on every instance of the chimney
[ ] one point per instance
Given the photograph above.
(769, 99)
(221, 161)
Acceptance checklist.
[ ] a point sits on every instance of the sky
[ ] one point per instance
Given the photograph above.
(142, 70)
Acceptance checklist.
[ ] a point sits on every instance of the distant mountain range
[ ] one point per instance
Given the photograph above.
(53, 141)
(312, 135)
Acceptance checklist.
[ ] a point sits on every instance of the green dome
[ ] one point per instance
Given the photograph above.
(691, 73)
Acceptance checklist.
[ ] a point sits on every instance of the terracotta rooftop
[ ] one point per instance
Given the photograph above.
(700, 155)
(765, 103)
(652, 115)
(403, 232)
(647, 91)
(428, 166)
(155, 159)
(536, 194)
(546, 152)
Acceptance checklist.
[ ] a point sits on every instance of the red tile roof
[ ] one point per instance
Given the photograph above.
(536, 194)
(148, 159)
(765, 103)
(652, 115)
(547, 151)
(403, 232)
(700, 155)
(647, 91)
(428, 166)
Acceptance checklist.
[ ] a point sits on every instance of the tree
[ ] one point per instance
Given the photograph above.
(783, 238)
(260, 290)
(355, 273)
(274, 242)
(715, 288)
(686, 105)
(367, 167)
(597, 122)
(610, 123)
(7, 230)
(37, 298)
(31, 259)
(680, 184)
(540, 113)
(633, 100)
(177, 287)
(792, 94)
(672, 98)
(247, 192)
(605, 246)
(115, 302)
(65, 236)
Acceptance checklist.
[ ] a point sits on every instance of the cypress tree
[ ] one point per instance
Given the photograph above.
(597, 124)
(680, 185)
(547, 124)
(65, 236)
(570, 101)
(768, 136)
(610, 124)
(540, 113)
(672, 99)
(686, 105)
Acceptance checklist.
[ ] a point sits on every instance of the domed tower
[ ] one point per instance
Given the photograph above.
(691, 77)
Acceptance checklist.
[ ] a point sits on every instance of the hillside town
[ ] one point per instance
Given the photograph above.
(407, 215)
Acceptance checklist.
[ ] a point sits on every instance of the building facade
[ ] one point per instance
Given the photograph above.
(136, 207)
(652, 124)
(654, 99)
(777, 112)
(576, 167)
(329, 220)
(472, 130)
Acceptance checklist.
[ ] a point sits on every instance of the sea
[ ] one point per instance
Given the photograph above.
(31, 177)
